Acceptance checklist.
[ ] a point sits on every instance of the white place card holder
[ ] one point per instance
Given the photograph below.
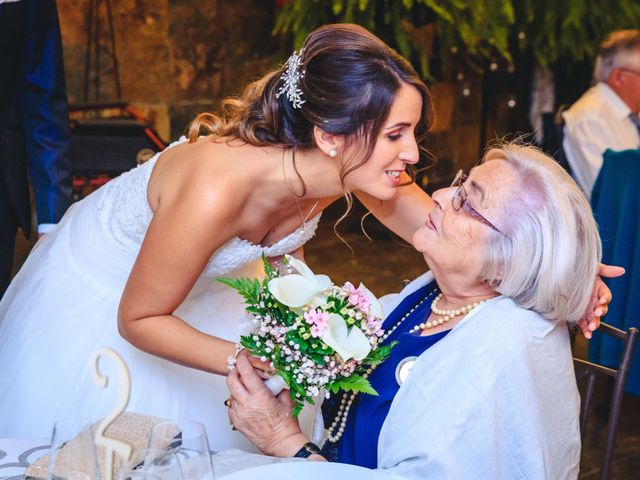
(112, 447)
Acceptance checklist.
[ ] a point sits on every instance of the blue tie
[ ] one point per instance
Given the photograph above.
(635, 120)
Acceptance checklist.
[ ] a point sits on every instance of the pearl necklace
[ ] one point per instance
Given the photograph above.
(336, 429)
(445, 314)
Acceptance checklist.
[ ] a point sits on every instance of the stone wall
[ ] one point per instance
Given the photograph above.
(177, 58)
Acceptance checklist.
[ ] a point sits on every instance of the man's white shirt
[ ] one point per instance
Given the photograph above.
(598, 121)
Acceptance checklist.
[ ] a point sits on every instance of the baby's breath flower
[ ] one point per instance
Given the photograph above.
(296, 340)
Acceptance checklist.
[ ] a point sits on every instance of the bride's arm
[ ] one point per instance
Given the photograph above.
(405, 213)
(181, 237)
(408, 210)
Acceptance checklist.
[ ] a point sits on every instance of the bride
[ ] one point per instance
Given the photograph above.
(134, 265)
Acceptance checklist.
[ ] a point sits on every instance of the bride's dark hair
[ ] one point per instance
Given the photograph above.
(350, 82)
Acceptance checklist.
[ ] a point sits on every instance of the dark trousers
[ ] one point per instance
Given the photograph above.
(8, 230)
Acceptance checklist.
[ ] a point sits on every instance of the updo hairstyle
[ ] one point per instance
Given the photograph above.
(350, 82)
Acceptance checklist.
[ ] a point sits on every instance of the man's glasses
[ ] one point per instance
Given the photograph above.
(630, 70)
(460, 197)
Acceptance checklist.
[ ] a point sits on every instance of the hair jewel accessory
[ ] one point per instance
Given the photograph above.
(291, 76)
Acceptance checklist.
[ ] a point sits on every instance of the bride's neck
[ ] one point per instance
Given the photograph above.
(311, 175)
(284, 183)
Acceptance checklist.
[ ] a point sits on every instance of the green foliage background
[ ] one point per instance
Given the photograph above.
(477, 31)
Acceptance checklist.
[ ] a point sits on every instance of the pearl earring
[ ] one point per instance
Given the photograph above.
(333, 152)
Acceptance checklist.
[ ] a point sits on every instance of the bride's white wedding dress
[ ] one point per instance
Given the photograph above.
(62, 306)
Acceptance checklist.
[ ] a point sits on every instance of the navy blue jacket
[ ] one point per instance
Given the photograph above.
(34, 119)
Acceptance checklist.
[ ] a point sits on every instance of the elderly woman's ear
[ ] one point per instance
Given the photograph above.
(264, 419)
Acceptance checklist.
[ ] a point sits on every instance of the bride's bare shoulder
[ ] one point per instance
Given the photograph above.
(210, 167)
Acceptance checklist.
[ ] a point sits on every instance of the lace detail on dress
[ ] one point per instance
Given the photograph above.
(124, 216)
(237, 252)
(124, 213)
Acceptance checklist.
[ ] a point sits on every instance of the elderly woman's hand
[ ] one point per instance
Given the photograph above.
(600, 299)
(264, 419)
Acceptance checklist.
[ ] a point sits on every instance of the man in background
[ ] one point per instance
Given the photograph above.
(34, 123)
(606, 116)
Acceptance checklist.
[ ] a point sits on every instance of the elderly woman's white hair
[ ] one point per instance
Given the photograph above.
(549, 258)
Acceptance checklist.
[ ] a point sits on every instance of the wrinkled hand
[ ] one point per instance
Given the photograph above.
(264, 369)
(264, 419)
(600, 299)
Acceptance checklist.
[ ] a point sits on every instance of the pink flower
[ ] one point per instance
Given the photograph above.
(348, 288)
(374, 326)
(357, 297)
(318, 320)
(310, 316)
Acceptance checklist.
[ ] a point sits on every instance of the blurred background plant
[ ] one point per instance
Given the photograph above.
(475, 32)
(496, 68)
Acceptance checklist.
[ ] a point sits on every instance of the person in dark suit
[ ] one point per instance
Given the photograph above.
(34, 123)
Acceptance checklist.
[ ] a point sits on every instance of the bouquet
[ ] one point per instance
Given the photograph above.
(315, 334)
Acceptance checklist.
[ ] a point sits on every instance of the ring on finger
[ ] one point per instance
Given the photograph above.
(228, 402)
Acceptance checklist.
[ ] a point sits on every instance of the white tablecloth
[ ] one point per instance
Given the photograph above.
(17, 454)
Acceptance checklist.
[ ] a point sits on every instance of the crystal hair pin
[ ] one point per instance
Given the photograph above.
(291, 76)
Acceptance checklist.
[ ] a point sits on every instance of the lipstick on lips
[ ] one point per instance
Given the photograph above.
(394, 176)
(429, 223)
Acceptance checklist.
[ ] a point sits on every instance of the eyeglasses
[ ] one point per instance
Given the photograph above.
(460, 197)
(630, 70)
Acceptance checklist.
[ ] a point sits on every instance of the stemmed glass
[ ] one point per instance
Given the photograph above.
(72, 455)
(138, 475)
(188, 441)
(163, 464)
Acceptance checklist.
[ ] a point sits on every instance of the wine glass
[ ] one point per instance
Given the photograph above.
(138, 475)
(188, 440)
(163, 464)
(72, 455)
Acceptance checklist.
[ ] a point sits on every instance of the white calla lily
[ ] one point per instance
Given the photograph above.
(299, 289)
(299, 266)
(293, 290)
(324, 281)
(376, 308)
(347, 343)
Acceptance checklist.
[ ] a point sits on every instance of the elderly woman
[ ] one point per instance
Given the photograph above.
(481, 384)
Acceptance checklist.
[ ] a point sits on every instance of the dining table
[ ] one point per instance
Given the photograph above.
(16, 454)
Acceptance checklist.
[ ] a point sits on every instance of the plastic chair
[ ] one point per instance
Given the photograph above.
(588, 372)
